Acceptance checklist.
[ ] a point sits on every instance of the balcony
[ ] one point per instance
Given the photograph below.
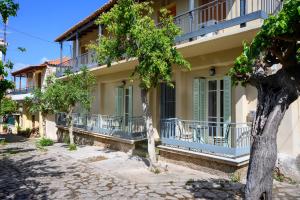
(75, 64)
(131, 128)
(230, 140)
(25, 90)
(204, 21)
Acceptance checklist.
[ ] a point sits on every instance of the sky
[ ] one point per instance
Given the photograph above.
(37, 25)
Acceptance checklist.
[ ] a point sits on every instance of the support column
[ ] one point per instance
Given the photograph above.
(20, 82)
(100, 30)
(191, 7)
(77, 50)
(61, 52)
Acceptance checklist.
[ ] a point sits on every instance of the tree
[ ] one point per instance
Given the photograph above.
(8, 106)
(39, 103)
(132, 33)
(271, 63)
(65, 94)
(7, 9)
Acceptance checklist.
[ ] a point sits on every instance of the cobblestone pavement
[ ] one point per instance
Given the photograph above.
(28, 173)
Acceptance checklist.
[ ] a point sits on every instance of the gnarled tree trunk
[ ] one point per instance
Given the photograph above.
(149, 129)
(44, 125)
(274, 97)
(70, 125)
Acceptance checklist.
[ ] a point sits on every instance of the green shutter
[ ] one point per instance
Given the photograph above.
(130, 99)
(196, 99)
(227, 99)
(119, 101)
(202, 99)
(199, 99)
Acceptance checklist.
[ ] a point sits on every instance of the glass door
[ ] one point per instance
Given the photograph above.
(167, 101)
(215, 107)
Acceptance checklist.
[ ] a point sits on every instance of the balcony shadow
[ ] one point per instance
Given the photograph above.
(215, 188)
(21, 178)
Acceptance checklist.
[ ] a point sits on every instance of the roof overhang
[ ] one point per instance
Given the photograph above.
(86, 23)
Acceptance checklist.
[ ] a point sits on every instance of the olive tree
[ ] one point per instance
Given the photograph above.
(74, 90)
(132, 33)
(270, 63)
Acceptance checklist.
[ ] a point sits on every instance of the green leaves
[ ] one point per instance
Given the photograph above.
(75, 90)
(8, 8)
(8, 106)
(271, 44)
(132, 33)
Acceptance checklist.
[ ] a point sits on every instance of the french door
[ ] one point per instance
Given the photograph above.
(167, 101)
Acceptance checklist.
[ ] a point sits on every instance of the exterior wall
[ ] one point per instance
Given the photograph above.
(51, 129)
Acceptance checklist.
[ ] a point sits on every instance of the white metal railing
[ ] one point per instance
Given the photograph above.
(75, 64)
(118, 126)
(218, 11)
(214, 137)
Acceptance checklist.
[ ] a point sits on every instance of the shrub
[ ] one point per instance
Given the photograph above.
(235, 177)
(4, 127)
(72, 147)
(43, 142)
(2, 142)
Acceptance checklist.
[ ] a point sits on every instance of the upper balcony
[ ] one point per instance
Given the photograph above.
(209, 18)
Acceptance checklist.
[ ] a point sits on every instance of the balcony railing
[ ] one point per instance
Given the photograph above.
(226, 139)
(209, 19)
(75, 64)
(131, 128)
(205, 21)
(26, 90)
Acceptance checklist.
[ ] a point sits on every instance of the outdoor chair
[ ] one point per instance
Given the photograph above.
(223, 140)
(184, 135)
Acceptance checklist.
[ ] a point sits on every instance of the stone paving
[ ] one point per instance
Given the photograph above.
(29, 173)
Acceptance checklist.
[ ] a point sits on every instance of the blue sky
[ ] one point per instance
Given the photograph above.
(45, 19)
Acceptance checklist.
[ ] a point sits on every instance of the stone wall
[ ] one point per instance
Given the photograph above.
(202, 163)
(87, 138)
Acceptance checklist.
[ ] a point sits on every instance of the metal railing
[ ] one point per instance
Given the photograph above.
(209, 15)
(204, 21)
(118, 126)
(25, 90)
(75, 64)
(231, 139)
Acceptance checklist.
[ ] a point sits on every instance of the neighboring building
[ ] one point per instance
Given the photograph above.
(26, 80)
(202, 117)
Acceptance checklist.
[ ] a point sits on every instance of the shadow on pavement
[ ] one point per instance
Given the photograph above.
(216, 189)
(21, 178)
(11, 138)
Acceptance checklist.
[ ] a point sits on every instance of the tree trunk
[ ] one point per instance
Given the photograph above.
(270, 111)
(149, 129)
(44, 125)
(70, 125)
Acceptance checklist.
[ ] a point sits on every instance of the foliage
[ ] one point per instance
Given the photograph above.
(43, 142)
(72, 147)
(75, 89)
(8, 8)
(275, 43)
(39, 103)
(2, 142)
(4, 126)
(235, 177)
(132, 33)
(8, 106)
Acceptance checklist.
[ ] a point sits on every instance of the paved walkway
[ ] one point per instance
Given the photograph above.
(95, 173)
